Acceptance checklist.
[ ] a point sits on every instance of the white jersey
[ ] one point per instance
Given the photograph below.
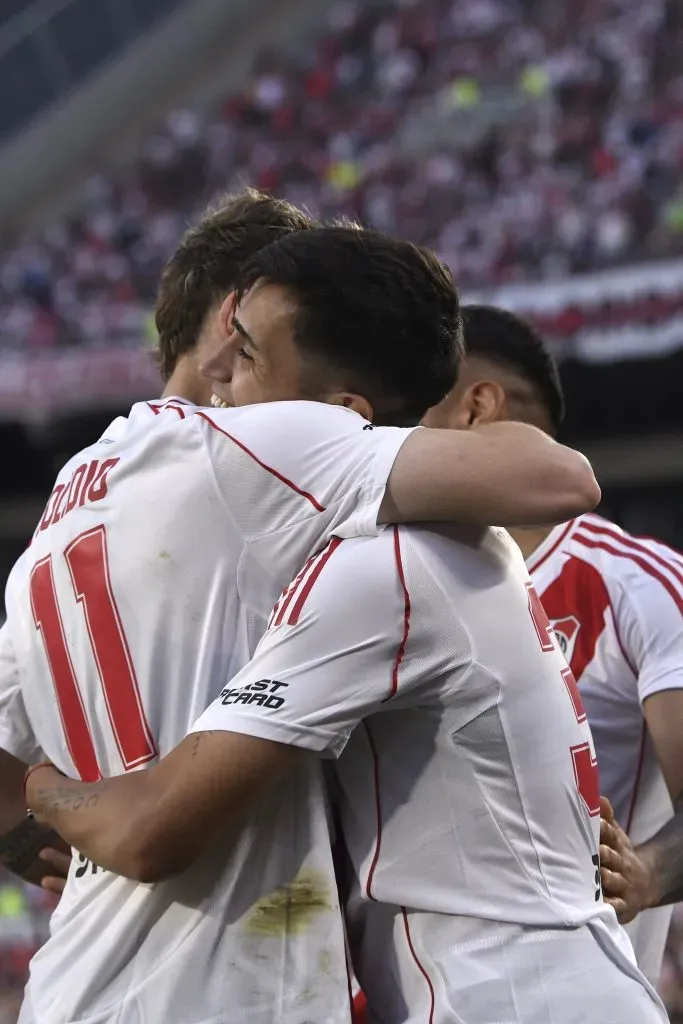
(162, 550)
(616, 605)
(469, 798)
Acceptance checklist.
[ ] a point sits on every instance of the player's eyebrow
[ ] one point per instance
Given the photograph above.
(239, 327)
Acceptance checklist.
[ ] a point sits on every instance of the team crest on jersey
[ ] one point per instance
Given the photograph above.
(566, 631)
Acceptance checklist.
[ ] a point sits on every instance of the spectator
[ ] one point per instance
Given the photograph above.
(585, 175)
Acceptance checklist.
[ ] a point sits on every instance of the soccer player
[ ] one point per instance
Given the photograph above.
(191, 321)
(159, 548)
(616, 606)
(420, 661)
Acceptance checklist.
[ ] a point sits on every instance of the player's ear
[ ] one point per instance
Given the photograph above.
(226, 314)
(357, 403)
(472, 406)
(484, 402)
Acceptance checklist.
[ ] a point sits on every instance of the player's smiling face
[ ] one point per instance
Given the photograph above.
(258, 361)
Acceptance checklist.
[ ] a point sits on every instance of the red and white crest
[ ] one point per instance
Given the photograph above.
(566, 630)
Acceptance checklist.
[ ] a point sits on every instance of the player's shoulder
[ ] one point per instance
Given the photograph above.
(401, 567)
(276, 417)
(621, 557)
(349, 578)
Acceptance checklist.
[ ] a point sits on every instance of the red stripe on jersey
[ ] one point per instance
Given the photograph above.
(269, 469)
(288, 593)
(174, 403)
(639, 774)
(311, 581)
(647, 567)
(360, 1009)
(378, 809)
(533, 566)
(176, 408)
(579, 598)
(161, 406)
(406, 615)
(420, 967)
(634, 544)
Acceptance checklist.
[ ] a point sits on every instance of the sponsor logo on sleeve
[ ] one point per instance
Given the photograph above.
(264, 693)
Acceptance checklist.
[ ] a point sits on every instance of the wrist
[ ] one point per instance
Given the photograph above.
(30, 771)
(651, 894)
(32, 810)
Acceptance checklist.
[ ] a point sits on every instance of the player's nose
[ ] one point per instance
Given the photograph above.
(217, 364)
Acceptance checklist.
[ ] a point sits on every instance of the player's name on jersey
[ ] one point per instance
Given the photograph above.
(88, 483)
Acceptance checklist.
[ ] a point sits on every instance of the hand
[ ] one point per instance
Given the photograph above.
(626, 874)
(57, 862)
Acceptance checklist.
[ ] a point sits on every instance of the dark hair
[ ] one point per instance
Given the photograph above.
(506, 339)
(205, 265)
(380, 314)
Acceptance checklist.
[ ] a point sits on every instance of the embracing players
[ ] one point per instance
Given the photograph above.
(141, 591)
(421, 661)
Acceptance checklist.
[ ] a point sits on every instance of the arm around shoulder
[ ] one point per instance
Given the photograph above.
(507, 474)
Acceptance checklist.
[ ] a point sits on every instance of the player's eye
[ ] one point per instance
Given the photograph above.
(243, 354)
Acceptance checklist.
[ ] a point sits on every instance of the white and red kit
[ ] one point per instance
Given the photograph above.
(469, 795)
(161, 552)
(616, 605)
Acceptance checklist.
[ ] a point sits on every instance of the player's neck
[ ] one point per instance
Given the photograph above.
(185, 382)
(529, 539)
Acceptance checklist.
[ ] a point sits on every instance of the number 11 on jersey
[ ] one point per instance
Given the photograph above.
(88, 563)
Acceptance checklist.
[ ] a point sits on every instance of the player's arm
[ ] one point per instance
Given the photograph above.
(26, 848)
(663, 853)
(152, 824)
(308, 686)
(651, 627)
(510, 474)
(325, 468)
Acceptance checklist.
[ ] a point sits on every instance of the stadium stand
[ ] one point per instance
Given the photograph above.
(585, 175)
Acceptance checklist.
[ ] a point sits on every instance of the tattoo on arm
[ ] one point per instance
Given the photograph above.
(667, 850)
(21, 845)
(60, 798)
(198, 741)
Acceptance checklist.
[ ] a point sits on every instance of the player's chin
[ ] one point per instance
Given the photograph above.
(219, 403)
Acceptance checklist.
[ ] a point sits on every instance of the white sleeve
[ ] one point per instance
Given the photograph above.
(649, 618)
(16, 734)
(293, 474)
(340, 646)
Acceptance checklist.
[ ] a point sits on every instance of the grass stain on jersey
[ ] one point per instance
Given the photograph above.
(290, 909)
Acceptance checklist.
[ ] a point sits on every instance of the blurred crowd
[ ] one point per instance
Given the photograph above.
(586, 173)
(24, 916)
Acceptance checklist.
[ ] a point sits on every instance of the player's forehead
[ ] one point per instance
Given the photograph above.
(265, 312)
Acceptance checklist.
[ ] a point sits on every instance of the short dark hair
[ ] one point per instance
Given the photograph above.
(205, 265)
(382, 314)
(507, 339)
